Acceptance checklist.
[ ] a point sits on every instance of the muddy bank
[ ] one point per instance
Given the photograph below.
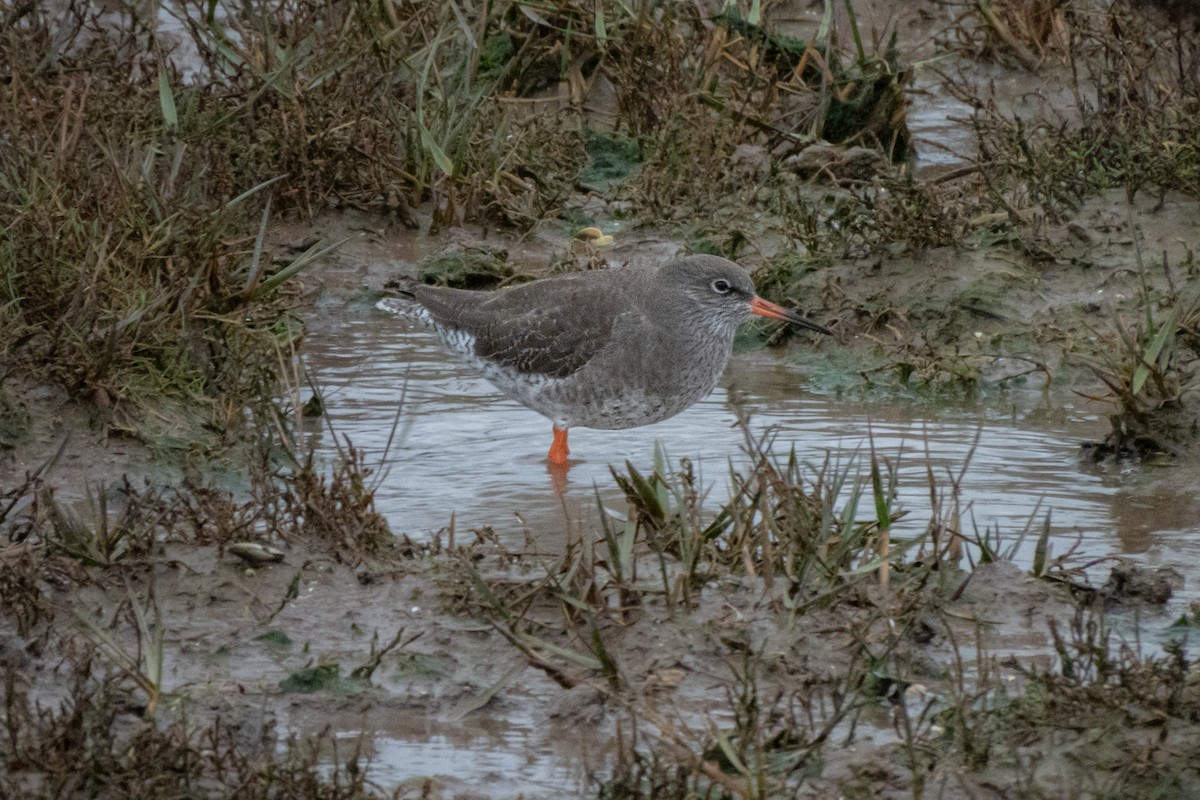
(470, 665)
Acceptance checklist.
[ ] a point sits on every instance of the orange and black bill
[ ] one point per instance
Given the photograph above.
(765, 308)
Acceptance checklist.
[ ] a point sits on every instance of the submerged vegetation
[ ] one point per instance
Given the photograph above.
(798, 640)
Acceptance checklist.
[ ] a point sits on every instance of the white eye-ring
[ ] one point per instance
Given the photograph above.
(721, 286)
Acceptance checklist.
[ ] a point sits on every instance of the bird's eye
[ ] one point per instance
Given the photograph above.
(721, 286)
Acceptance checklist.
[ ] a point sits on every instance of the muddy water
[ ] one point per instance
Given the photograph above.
(508, 758)
(459, 448)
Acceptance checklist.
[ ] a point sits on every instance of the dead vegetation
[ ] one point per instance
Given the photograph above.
(116, 752)
(1107, 720)
(136, 188)
(1127, 117)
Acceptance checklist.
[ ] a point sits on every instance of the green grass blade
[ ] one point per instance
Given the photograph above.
(883, 513)
(302, 262)
(439, 155)
(167, 101)
(256, 259)
(1041, 552)
(601, 28)
(730, 755)
(858, 42)
(581, 659)
(1165, 332)
(241, 198)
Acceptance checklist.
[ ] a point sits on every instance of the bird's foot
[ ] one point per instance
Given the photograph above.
(559, 450)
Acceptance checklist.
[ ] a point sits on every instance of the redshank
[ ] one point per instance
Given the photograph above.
(609, 349)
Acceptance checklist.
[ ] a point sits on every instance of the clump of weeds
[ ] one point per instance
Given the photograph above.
(903, 212)
(1150, 377)
(133, 183)
(335, 508)
(475, 267)
(1105, 720)
(79, 586)
(112, 749)
(1147, 367)
(329, 507)
(116, 531)
(1131, 121)
(24, 572)
(1025, 31)
(758, 99)
(123, 270)
(816, 552)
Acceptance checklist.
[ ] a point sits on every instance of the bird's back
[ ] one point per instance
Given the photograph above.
(549, 328)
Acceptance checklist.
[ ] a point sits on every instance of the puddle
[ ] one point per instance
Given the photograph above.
(462, 449)
(507, 761)
(935, 120)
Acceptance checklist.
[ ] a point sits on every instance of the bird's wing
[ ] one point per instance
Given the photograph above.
(548, 328)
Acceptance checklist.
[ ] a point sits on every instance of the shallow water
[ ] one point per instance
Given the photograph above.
(506, 760)
(460, 448)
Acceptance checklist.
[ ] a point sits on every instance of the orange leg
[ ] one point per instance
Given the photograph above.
(559, 450)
